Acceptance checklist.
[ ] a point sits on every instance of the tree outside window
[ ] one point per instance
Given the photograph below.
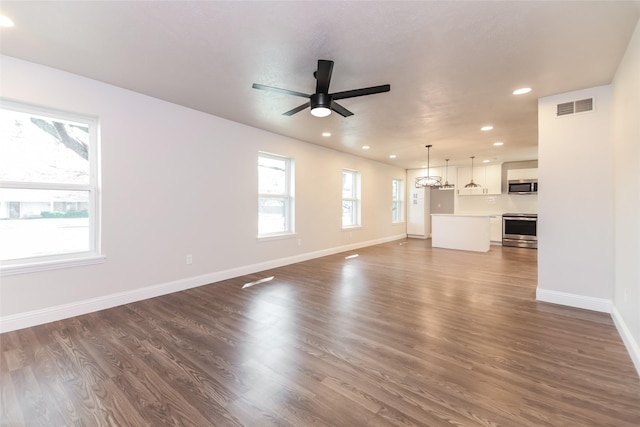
(48, 185)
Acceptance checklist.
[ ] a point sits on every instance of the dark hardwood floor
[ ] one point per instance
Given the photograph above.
(402, 335)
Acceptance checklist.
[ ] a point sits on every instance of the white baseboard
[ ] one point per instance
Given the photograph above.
(64, 311)
(632, 345)
(573, 300)
(596, 304)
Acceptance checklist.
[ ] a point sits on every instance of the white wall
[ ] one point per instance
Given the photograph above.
(626, 179)
(589, 247)
(177, 181)
(497, 204)
(575, 210)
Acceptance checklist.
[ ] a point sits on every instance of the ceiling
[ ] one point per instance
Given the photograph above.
(452, 66)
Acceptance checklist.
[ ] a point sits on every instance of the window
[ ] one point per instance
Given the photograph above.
(48, 186)
(275, 195)
(397, 197)
(350, 198)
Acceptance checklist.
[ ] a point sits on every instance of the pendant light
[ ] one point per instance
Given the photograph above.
(428, 181)
(472, 184)
(446, 185)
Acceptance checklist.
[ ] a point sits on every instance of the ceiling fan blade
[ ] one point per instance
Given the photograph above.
(340, 110)
(323, 75)
(361, 92)
(278, 90)
(297, 109)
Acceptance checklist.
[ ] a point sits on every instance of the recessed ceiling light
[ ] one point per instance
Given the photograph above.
(522, 91)
(485, 128)
(486, 161)
(393, 156)
(365, 147)
(498, 144)
(326, 134)
(5, 21)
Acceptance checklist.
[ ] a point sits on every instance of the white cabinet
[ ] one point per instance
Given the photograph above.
(417, 206)
(488, 177)
(519, 174)
(416, 212)
(463, 232)
(496, 229)
(493, 179)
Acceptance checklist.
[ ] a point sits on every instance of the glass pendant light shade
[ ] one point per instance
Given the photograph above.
(472, 184)
(446, 185)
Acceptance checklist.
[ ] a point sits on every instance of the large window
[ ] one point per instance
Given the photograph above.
(48, 186)
(350, 198)
(397, 197)
(275, 195)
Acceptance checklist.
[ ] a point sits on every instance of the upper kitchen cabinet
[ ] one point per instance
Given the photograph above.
(522, 174)
(488, 177)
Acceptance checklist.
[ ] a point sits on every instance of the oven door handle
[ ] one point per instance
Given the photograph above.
(515, 218)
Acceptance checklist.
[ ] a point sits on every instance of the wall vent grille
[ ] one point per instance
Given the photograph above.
(574, 107)
(584, 105)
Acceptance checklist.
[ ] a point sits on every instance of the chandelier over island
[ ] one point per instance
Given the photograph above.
(428, 181)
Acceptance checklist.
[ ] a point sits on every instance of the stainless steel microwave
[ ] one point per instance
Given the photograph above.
(523, 186)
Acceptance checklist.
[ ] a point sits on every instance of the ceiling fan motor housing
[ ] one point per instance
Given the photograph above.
(319, 100)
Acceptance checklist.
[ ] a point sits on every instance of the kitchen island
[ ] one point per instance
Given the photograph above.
(459, 231)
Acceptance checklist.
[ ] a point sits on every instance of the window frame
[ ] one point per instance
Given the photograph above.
(288, 196)
(397, 201)
(63, 259)
(356, 201)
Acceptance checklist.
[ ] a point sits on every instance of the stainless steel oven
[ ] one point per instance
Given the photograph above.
(520, 230)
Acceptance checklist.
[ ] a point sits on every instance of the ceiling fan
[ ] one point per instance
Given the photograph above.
(322, 102)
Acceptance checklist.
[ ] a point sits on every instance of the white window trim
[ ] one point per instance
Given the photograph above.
(67, 262)
(358, 200)
(72, 259)
(399, 201)
(289, 195)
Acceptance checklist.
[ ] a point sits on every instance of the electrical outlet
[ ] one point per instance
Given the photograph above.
(189, 259)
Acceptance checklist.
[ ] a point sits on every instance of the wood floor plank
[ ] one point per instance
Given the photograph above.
(10, 408)
(402, 335)
(37, 409)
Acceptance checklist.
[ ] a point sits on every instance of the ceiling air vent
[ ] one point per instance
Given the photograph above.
(573, 107)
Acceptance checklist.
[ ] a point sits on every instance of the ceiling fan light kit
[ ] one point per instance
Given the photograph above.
(322, 102)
